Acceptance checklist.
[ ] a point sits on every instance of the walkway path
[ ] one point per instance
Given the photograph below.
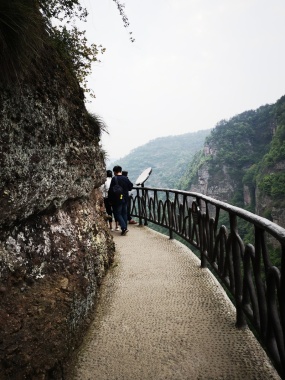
(162, 317)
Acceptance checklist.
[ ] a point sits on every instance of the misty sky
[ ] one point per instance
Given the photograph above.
(194, 63)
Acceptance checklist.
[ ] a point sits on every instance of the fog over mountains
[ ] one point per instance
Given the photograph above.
(169, 158)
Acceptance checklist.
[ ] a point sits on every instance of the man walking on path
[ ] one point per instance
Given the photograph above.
(120, 201)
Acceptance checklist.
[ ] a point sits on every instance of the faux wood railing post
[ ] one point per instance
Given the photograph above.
(240, 318)
(282, 296)
(139, 206)
(144, 197)
(169, 215)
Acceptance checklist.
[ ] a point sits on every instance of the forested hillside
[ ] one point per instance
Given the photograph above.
(168, 157)
(243, 162)
(232, 148)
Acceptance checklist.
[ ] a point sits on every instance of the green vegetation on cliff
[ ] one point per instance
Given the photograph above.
(233, 149)
(270, 175)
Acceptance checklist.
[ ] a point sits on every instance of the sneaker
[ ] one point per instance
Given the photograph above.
(124, 232)
(117, 229)
(111, 229)
(132, 222)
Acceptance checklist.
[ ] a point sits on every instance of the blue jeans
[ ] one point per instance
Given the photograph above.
(121, 214)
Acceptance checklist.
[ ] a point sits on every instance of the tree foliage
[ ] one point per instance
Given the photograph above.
(70, 41)
(26, 26)
(76, 52)
(62, 9)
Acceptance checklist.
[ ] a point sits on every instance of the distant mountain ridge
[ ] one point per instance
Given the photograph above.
(168, 157)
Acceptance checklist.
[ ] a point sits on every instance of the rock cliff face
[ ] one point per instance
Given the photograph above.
(54, 243)
(218, 184)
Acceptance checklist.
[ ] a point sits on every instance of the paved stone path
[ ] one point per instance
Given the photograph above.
(161, 317)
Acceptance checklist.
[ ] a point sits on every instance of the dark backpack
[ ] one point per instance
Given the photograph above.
(117, 189)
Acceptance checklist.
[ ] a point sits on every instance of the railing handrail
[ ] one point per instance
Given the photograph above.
(245, 269)
(277, 231)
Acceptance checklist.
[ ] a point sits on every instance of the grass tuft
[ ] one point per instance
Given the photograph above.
(97, 123)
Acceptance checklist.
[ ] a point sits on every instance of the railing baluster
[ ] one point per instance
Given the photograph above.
(240, 322)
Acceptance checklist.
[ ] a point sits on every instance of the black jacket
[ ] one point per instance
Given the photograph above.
(126, 185)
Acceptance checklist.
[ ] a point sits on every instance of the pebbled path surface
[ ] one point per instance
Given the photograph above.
(161, 317)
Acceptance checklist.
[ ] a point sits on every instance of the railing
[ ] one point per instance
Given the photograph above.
(238, 245)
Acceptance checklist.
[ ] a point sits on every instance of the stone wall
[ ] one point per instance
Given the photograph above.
(55, 246)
